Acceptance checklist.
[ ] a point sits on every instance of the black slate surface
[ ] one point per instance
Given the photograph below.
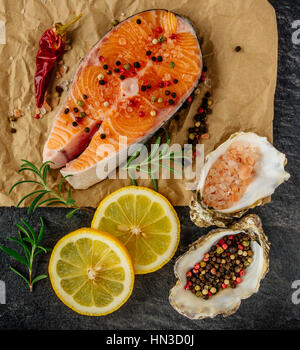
(148, 307)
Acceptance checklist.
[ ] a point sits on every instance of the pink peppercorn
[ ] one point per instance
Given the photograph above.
(168, 83)
(242, 273)
(190, 99)
(141, 114)
(209, 293)
(101, 58)
(37, 116)
(224, 246)
(240, 247)
(224, 285)
(173, 36)
(159, 30)
(230, 237)
(161, 84)
(189, 273)
(195, 271)
(200, 110)
(197, 266)
(238, 280)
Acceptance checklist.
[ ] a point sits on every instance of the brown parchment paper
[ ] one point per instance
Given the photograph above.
(243, 83)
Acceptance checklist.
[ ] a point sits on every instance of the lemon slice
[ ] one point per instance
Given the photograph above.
(144, 221)
(91, 272)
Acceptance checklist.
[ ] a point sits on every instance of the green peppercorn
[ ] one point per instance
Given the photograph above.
(127, 66)
(82, 114)
(219, 250)
(80, 103)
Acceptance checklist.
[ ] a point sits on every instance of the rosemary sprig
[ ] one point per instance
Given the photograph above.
(31, 244)
(38, 195)
(154, 161)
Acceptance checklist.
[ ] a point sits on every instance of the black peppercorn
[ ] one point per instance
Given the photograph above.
(148, 53)
(105, 66)
(66, 111)
(74, 123)
(122, 77)
(103, 136)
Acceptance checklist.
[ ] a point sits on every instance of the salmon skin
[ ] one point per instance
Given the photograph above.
(129, 84)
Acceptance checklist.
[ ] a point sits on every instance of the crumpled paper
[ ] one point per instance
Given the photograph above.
(242, 83)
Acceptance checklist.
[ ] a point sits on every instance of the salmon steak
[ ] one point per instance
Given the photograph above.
(129, 84)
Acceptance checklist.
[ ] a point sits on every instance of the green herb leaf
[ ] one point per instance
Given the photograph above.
(38, 278)
(35, 202)
(153, 162)
(19, 273)
(42, 231)
(23, 245)
(42, 173)
(71, 213)
(14, 255)
(24, 181)
(31, 246)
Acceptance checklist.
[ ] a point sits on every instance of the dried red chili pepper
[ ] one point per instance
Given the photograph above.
(51, 48)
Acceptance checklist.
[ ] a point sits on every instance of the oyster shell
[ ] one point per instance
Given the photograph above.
(268, 174)
(227, 301)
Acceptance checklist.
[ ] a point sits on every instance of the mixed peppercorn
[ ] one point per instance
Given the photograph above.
(223, 266)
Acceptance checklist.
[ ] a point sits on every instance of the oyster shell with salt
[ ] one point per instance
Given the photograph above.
(240, 174)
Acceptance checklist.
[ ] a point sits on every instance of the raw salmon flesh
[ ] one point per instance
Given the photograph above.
(129, 84)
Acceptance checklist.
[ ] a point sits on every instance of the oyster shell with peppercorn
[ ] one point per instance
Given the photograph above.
(240, 174)
(225, 301)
